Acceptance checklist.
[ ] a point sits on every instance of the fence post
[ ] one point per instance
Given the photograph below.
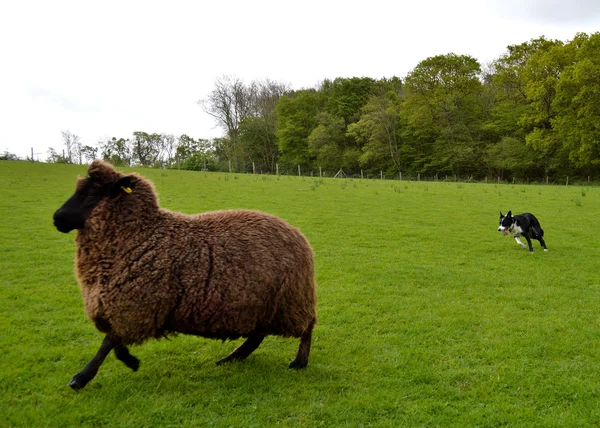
(567, 180)
(419, 177)
(230, 165)
(486, 179)
(253, 168)
(381, 172)
(400, 172)
(320, 173)
(361, 174)
(299, 174)
(498, 179)
(276, 169)
(546, 179)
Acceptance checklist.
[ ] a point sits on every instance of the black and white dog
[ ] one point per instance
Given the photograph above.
(522, 225)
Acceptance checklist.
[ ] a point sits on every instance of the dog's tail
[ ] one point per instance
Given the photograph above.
(537, 228)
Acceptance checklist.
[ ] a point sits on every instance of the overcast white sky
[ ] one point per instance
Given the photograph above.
(109, 68)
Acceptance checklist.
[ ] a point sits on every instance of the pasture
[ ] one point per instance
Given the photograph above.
(427, 315)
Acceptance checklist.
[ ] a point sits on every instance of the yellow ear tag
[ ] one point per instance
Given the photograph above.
(126, 189)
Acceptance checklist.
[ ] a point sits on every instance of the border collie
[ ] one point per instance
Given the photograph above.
(522, 225)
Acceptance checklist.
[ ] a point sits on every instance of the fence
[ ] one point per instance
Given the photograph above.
(319, 172)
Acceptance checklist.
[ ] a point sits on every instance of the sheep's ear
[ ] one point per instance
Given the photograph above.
(122, 185)
(101, 171)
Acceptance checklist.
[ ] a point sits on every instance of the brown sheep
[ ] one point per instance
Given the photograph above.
(146, 272)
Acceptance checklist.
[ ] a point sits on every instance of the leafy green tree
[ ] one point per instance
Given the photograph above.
(296, 118)
(89, 153)
(326, 141)
(443, 113)
(346, 96)
(258, 137)
(512, 156)
(378, 133)
(116, 151)
(542, 74)
(259, 141)
(146, 148)
(577, 103)
(192, 154)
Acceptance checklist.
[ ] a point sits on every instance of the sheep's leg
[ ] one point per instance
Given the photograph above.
(301, 360)
(123, 354)
(245, 349)
(82, 378)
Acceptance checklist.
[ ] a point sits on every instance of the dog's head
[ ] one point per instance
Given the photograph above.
(506, 223)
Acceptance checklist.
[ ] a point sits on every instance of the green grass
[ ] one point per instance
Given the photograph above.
(427, 315)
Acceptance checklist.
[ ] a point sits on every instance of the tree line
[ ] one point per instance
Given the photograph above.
(532, 112)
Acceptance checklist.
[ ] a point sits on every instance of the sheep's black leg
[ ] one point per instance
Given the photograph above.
(123, 354)
(301, 360)
(82, 378)
(245, 349)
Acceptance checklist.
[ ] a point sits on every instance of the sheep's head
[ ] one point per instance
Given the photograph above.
(103, 182)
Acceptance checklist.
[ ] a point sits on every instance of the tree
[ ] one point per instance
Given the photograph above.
(541, 75)
(512, 156)
(378, 132)
(577, 103)
(117, 151)
(193, 154)
(169, 145)
(296, 118)
(443, 113)
(8, 156)
(72, 145)
(346, 96)
(55, 157)
(229, 103)
(258, 137)
(259, 141)
(326, 141)
(88, 153)
(525, 78)
(146, 148)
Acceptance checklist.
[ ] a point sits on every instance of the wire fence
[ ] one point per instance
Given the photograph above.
(318, 172)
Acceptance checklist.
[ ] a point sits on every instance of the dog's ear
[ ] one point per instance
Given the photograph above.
(509, 214)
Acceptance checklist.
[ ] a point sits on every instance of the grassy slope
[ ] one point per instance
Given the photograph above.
(427, 315)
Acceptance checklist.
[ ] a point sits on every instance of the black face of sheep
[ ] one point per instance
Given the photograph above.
(147, 273)
(87, 196)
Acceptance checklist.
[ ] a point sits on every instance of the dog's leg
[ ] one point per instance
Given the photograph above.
(529, 243)
(519, 242)
(542, 243)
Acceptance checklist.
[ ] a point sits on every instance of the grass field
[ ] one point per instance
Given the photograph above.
(427, 315)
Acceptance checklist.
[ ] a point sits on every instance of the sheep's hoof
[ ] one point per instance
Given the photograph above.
(77, 383)
(132, 362)
(296, 364)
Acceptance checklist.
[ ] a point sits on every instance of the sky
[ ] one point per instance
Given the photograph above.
(110, 68)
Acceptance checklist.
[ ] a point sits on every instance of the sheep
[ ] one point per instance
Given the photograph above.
(145, 272)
